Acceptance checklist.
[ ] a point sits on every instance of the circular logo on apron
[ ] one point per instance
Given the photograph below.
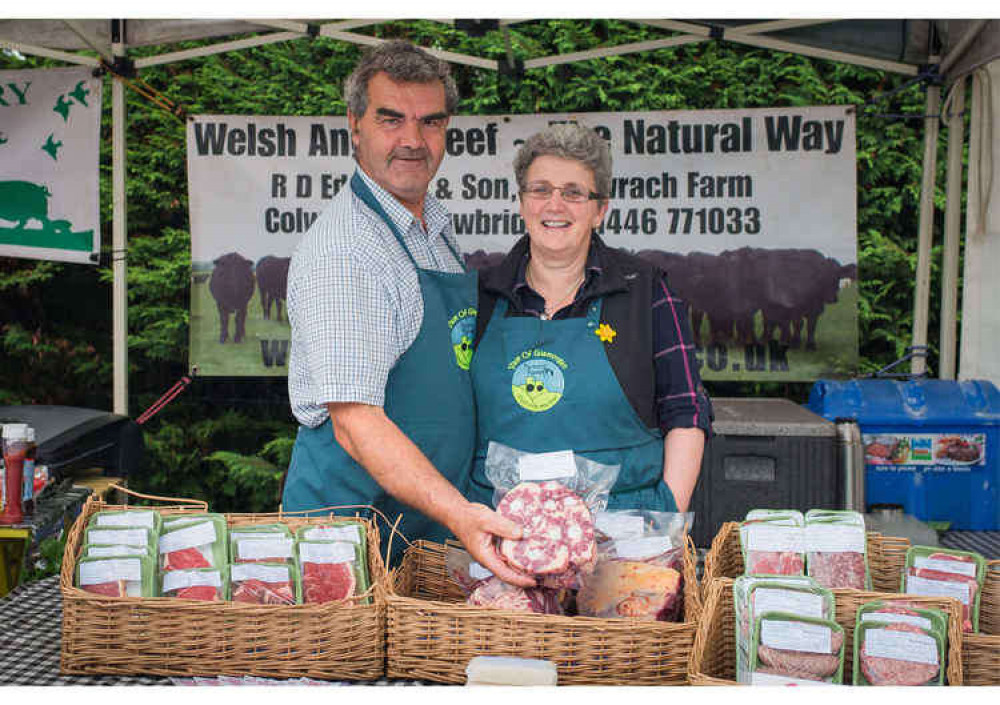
(463, 331)
(537, 384)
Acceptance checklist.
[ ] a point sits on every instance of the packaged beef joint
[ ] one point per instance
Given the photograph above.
(207, 584)
(265, 584)
(949, 573)
(126, 576)
(788, 649)
(196, 544)
(896, 646)
(553, 497)
(496, 594)
(755, 595)
(638, 573)
(836, 549)
(773, 542)
(330, 571)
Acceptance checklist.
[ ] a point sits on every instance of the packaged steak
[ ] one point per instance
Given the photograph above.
(262, 548)
(755, 595)
(97, 550)
(837, 550)
(128, 518)
(789, 646)
(126, 576)
(348, 530)
(896, 653)
(120, 536)
(949, 573)
(206, 584)
(265, 584)
(331, 571)
(176, 521)
(197, 544)
(496, 594)
(553, 497)
(773, 546)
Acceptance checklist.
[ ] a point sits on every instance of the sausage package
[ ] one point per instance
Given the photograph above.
(125, 576)
(890, 651)
(949, 573)
(200, 543)
(331, 571)
(755, 595)
(787, 648)
(265, 584)
(206, 584)
(773, 543)
(836, 549)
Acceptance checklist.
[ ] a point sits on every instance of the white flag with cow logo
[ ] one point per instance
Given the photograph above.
(50, 121)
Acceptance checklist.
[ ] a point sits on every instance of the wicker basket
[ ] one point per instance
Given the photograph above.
(433, 634)
(886, 560)
(713, 656)
(174, 637)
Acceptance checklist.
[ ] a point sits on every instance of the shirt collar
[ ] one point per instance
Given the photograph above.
(435, 214)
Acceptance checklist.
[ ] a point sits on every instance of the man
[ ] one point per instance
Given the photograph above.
(375, 289)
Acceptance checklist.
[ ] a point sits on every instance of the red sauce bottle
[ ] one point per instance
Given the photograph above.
(15, 451)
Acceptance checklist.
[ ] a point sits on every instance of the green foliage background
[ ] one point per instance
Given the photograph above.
(227, 441)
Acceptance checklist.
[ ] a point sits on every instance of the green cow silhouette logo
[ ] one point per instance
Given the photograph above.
(22, 202)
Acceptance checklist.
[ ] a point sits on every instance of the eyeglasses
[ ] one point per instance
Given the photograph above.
(571, 193)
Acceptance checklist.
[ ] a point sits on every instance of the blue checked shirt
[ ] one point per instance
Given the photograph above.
(354, 301)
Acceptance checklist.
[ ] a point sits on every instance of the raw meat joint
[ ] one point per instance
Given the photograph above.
(840, 569)
(879, 670)
(327, 582)
(496, 594)
(558, 529)
(258, 592)
(198, 592)
(631, 589)
(112, 589)
(802, 664)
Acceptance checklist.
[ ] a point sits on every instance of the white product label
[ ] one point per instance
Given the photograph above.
(774, 679)
(946, 566)
(941, 588)
(264, 573)
(477, 572)
(805, 604)
(835, 538)
(145, 519)
(104, 551)
(131, 537)
(255, 549)
(237, 535)
(770, 537)
(95, 572)
(201, 534)
(538, 467)
(894, 618)
(334, 533)
(796, 636)
(642, 548)
(618, 526)
(902, 646)
(178, 579)
(181, 521)
(782, 518)
(326, 552)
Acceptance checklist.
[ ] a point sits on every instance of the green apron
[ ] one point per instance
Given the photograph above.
(547, 385)
(428, 396)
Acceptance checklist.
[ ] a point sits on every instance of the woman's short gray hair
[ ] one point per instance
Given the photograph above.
(405, 63)
(568, 141)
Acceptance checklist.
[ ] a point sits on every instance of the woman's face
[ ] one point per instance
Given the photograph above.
(556, 227)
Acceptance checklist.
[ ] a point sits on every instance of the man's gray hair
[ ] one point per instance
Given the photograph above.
(405, 63)
(568, 141)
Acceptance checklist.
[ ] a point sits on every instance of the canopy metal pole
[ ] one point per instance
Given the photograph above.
(925, 228)
(952, 231)
(119, 296)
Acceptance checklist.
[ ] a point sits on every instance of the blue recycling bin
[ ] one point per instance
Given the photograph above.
(932, 446)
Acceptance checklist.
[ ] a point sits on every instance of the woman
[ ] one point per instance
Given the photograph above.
(582, 347)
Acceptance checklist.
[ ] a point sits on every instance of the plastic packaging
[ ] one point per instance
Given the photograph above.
(496, 594)
(773, 544)
(896, 647)
(344, 531)
(132, 576)
(148, 518)
(265, 584)
(206, 584)
(123, 536)
(464, 572)
(930, 570)
(330, 571)
(837, 549)
(198, 544)
(790, 646)
(15, 451)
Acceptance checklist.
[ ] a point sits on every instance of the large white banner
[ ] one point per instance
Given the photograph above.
(751, 212)
(50, 122)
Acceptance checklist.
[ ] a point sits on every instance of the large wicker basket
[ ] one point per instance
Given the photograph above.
(175, 637)
(713, 656)
(433, 634)
(886, 559)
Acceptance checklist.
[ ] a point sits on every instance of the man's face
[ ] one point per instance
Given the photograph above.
(399, 141)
